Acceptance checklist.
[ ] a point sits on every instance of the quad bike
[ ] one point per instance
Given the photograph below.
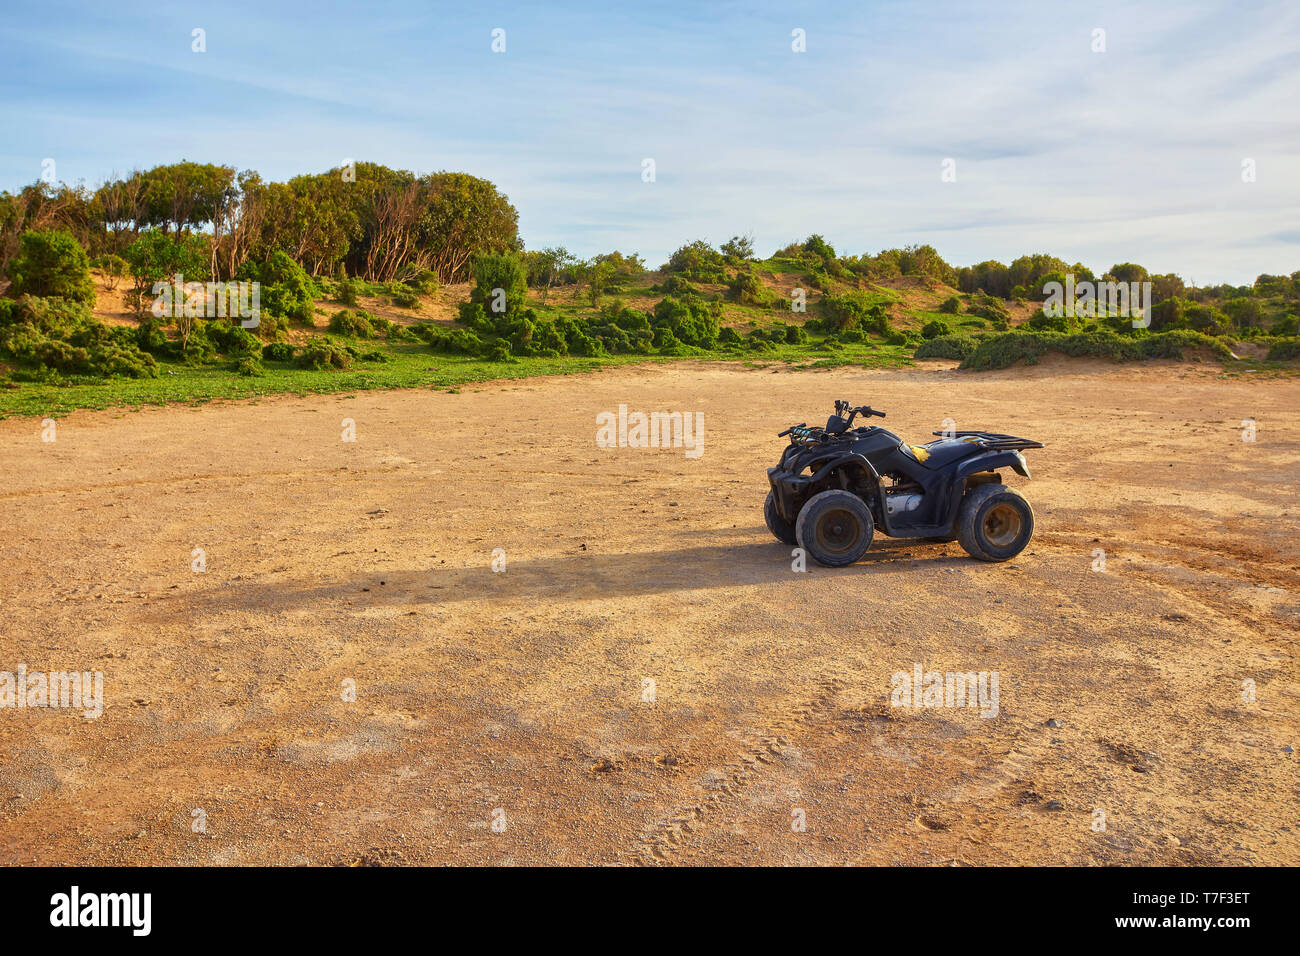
(835, 486)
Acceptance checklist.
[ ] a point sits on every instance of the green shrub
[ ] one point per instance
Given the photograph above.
(853, 310)
(677, 286)
(1001, 351)
(935, 328)
(58, 335)
(51, 264)
(699, 262)
(950, 305)
(747, 288)
(227, 339)
(500, 352)
(354, 324)
(405, 298)
(424, 282)
(987, 307)
(250, 367)
(286, 289)
(688, 321)
(453, 341)
(957, 347)
(1040, 321)
(1285, 350)
(323, 354)
(278, 352)
(500, 285)
(345, 292)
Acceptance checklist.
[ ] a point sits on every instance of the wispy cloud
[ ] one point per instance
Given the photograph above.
(1131, 154)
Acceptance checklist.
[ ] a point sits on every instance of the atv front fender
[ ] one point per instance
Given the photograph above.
(792, 489)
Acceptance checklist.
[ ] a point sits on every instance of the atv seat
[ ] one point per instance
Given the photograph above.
(937, 454)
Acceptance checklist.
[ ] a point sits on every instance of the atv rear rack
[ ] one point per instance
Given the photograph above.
(994, 440)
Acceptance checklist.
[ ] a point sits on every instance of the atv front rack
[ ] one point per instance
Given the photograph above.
(993, 440)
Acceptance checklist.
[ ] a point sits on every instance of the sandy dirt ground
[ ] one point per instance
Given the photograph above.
(502, 717)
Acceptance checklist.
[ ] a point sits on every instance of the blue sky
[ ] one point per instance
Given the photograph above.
(1132, 154)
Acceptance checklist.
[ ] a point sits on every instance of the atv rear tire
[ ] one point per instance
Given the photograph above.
(781, 529)
(994, 522)
(835, 527)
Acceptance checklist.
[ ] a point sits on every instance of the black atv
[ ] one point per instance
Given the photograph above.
(835, 485)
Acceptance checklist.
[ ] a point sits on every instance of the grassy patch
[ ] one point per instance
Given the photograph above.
(401, 366)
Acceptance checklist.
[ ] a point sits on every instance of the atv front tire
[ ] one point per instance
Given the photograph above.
(994, 522)
(781, 529)
(835, 527)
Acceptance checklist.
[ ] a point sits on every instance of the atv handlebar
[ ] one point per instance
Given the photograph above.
(843, 424)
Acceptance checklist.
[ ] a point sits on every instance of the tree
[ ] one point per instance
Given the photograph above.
(51, 263)
(157, 257)
(739, 248)
(599, 276)
(113, 267)
(546, 266)
(1128, 272)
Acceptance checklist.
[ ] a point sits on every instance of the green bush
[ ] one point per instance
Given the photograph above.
(699, 262)
(852, 310)
(404, 298)
(453, 341)
(346, 290)
(688, 321)
(935, 328)
(747, 288)
(1040, 321)
(425, 282)
(51, 264)
(356, 324)
(677, 286)
(1287, 325)
(278, 352)
(1001, 351)
(225, 338)
(957, 347)
(286, 289)
(250, 367)
(1285, 350)
(323, 354)
(499, 271)
(58, 335)
(987, 307)
(950, 305)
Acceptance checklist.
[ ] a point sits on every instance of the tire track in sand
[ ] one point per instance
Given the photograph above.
(666, 835)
